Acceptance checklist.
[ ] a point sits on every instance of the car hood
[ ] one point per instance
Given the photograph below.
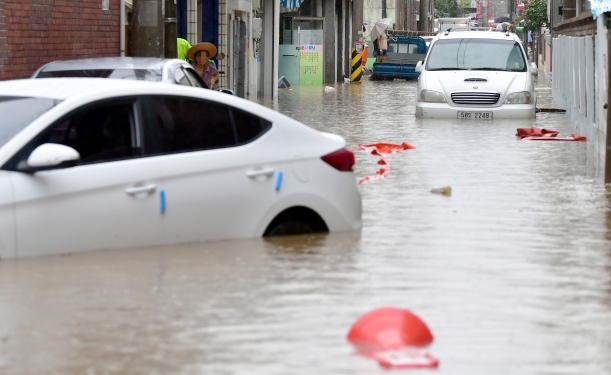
(504, 83)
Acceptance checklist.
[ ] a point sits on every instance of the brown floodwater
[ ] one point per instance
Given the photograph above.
(512, 272)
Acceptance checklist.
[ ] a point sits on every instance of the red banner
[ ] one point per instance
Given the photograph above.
(480, 9)
(490, 13)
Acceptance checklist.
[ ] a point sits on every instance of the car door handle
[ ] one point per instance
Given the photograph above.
(148, 189)
(267, 172)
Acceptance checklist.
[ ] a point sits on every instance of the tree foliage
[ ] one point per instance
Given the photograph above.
(535, 15)
(447, 8)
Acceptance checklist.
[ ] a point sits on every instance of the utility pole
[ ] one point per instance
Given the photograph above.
(147, 29)
(170, 48)
(357, 22)
(424, 15)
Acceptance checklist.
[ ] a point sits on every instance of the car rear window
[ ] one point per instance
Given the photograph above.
(476, 54)
(18, 112)
(153, 75)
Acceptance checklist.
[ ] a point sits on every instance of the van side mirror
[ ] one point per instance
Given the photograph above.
(419, 66)
(533, 68)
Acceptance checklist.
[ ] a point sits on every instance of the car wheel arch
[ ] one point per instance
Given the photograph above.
(296, 220)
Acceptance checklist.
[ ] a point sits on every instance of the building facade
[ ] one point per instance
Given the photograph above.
(249, 35)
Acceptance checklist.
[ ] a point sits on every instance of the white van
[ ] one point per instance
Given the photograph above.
(472, 75)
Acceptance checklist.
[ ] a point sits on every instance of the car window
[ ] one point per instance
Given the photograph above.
(99, 133)
(196, 80)
(248, 126)
(181, 78)
(18, 112)
(476, 53)
(178, 124)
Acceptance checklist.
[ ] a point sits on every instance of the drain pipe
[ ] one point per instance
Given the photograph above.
(276, 48)
(122, 28)
(606, 16)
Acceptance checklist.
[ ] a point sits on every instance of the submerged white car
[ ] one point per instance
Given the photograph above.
(475, 75)
(92, 163)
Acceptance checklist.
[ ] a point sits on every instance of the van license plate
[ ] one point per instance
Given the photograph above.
(475, 115)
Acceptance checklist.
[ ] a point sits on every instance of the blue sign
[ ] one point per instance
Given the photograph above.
(290, 4)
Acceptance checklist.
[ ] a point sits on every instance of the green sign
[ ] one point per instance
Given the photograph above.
(466, 3)
(310, 65)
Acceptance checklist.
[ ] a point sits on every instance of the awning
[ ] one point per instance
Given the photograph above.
(129, 4)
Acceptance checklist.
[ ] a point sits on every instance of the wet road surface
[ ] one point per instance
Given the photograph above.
(511, 273)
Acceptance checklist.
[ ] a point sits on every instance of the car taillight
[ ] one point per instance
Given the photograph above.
(342, 160)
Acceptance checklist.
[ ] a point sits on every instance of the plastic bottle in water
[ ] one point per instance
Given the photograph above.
(446, 190)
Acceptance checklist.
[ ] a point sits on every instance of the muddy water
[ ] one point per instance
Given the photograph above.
(512, 272)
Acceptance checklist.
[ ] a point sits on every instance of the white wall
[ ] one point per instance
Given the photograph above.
(580, 84)
(600, 80)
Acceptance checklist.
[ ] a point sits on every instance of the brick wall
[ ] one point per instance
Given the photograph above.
(581, 25)
(35, 32)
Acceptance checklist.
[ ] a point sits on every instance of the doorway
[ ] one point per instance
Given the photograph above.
(301, 50)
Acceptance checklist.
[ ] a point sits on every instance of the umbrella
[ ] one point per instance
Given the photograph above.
(501, 19)
(379, 27)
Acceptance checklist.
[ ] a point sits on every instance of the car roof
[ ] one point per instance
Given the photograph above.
(64, 88)
(152, 63)
(480, 34)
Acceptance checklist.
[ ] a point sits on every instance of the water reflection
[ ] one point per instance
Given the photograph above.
(511, 273)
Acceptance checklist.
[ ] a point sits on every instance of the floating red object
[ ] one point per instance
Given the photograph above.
(537, 134)
(385, 148)
(394, 337)
(390, 328)
(381, 149)
(572, 137)
(406, 358)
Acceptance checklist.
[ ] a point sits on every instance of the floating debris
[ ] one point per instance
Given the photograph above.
(446, 190)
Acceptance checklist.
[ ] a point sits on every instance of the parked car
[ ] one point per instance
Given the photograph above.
(476, 75)
(92, 163)
(173, 71)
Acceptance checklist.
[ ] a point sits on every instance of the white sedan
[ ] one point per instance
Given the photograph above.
(473, 75)
(97, 164)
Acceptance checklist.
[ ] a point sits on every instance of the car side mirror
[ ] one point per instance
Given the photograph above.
(50, 155)
(227, 91)
(533, 68)
(419, 66)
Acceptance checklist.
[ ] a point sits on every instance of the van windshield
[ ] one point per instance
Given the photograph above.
(476, 54)
(18, 112)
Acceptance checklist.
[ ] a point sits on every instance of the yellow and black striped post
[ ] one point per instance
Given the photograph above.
(356, 71)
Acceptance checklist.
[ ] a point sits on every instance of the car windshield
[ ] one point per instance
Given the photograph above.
(153, 75)
(476, 54)
(18, 112)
